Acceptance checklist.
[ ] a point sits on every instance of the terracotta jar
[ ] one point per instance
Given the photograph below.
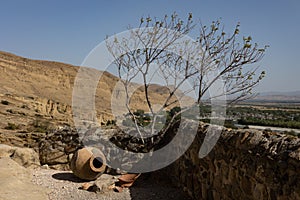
(88, 163)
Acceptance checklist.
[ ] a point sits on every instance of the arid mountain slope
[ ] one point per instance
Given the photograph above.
(25, 77)
(32, 89)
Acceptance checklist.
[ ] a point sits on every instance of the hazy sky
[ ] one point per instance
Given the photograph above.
(68, 30)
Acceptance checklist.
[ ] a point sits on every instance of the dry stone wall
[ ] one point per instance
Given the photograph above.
(244, 164)
(53, 148)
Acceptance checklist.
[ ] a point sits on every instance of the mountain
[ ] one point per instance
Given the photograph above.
(274, 93)
(34, 90)
(292, 96)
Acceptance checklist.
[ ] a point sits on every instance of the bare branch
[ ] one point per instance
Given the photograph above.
(201, 63)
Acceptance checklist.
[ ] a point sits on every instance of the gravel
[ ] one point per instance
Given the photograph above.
(64, 185)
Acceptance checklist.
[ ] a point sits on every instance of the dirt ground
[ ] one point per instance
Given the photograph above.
(64, 185)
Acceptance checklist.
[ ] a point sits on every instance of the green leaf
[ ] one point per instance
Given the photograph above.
(247, 45)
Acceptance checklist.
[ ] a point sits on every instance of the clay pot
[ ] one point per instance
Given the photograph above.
(88, 163)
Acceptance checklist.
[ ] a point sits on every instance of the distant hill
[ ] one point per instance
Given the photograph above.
(293, 96)
(274, 93)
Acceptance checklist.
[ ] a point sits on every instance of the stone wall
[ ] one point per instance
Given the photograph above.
(244, 164)
(54, 147)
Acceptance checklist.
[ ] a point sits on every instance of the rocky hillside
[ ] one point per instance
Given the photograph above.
(36, 94)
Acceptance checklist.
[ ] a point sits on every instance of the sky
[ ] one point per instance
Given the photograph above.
(67, 31)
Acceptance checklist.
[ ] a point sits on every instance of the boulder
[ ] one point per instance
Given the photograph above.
(26, 157)
(6, 150)
(16, 183)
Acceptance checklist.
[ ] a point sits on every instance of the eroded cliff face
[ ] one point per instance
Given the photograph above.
(26, 114)
(244, 164)
(44, 89)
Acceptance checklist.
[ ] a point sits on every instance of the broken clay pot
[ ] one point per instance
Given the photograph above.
(88, 163)
(125, 181)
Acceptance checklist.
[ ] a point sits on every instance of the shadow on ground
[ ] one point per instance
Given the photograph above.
(155, 186)
(67, 176)
(150, 186)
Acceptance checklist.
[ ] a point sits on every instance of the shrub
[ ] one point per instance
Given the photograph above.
(4, 102)
(24, 106)
(41, 126)
(12, 126)
(111, 122)
(10, 111)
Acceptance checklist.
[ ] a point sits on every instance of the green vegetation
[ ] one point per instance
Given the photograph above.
(10, 111)
(24, 106)
(287, 116)
(110, 123)
(40, 126)
(174, 111)
(266, 115)
(144, 119)
(11, 126)
(15, 112)
(269, 122)
(4, 102)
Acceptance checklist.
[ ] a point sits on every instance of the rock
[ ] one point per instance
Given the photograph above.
(16, 183)
(45, 166)
(90, 187)
(6, 151)
(105, 182)
(26, 157)
(85, 186)
(102, 184)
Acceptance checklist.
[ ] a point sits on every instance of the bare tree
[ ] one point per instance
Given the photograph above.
(179, 60)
